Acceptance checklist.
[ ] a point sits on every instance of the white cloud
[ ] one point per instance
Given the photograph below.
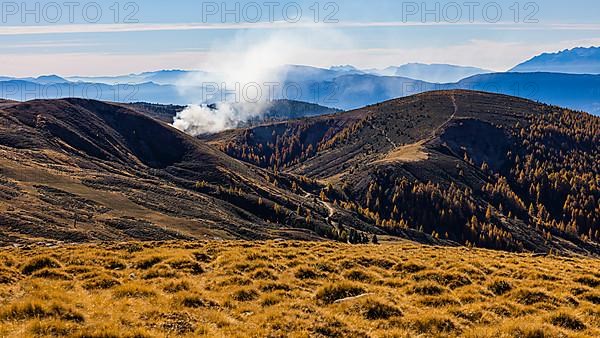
(498, 56)
(122, 28)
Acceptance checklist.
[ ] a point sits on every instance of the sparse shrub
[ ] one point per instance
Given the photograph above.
(471, 315)
(35, 310)
(177, 323)
(409, 267)
(530, 297)
(275, 287)
(567, 321)
(78, 270)
(433, 325)
(196, 301)
(8, 276)
(547, 277)
(40, 263)
(306, 273)
(235, 281)
(368, 262)
(533, 332)
(450, 280)
(101, 283)
(174, 287)
(133, 247)
(51, 274)
(114, 264)
(439, 301)
(372, 309)
(186, 266)
(248, 267)
(264, 274)
(359, 276)
(579, 291)
(111, 332)
(160, 271)
(257, 257)
(147, 263)
(325, 267)
(244, 295)
(53, 328)
(593, 298)
(500, 287)
(202, 257)
(332, 292)
(427, 289)
(588, 281)
(270, 300)
(134, 291)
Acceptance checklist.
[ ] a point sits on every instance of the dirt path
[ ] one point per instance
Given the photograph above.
(325, 204)
(416, 151)
(436, 130)
(383, 133)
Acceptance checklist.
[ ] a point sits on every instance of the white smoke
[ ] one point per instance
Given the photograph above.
(249, 72)
(204, 119)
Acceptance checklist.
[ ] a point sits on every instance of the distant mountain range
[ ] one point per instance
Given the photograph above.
(162, 77)
(436, 73)
(575, 91)
(548, 78)
(572, 61)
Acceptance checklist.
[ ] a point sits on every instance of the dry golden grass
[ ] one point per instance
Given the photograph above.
(281, 289)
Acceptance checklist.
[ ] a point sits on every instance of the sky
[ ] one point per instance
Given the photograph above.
(110, 38)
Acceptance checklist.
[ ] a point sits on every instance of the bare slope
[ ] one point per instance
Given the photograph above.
(79, 170)
(477, 168)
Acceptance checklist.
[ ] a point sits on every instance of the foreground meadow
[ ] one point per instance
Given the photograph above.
(297, 289)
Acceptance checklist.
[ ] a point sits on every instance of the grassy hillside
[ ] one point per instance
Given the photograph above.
(277, 289)
(476, 168)
(450, 167)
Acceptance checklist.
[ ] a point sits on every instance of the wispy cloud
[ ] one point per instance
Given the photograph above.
(118, 28)
(489, 54)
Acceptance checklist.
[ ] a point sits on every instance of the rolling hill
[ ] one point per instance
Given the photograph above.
(475, 168)
(448, 167)
(77, 170)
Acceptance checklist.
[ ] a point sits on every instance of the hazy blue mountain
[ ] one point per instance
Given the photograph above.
(572, 61)
(354, 91)
(574, 91)
(161, 77)
(22, 90)
(49, 79)
(435, 73)
(342, 87)
(347, 69)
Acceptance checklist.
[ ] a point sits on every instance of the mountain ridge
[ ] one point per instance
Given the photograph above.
(578, 60)
(435, 149)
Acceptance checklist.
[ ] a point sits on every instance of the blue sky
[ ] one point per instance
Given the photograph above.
(51, 37)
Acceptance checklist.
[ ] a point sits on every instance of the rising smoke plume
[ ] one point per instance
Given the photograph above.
(249, 72)
(236, 85)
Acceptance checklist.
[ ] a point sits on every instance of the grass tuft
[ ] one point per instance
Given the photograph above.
(40, 263)
(567, 321)
(500, 287)
(244, 295)
(332, 292)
